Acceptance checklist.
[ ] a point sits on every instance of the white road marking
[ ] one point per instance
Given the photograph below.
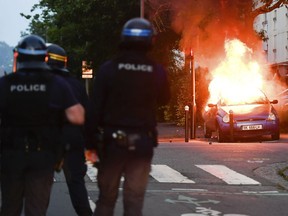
(92, 204)
(164, 173)
(260, 192)
(229, 176)
(189, 190)
(91, 172)
(161, 173)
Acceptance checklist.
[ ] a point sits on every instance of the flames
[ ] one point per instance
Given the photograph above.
(237, 76)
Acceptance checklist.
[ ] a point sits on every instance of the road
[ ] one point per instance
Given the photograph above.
(202, 177)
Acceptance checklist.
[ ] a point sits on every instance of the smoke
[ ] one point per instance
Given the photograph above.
(205, 25)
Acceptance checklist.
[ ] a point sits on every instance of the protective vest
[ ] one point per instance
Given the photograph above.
(131, 99)
(27, 122)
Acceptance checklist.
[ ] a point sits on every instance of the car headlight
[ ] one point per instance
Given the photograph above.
(226, 118)
(271, 117)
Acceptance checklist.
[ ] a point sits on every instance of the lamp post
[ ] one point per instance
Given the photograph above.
(193, 108)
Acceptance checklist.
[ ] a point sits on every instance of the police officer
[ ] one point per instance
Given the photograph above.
(74, 166)
(32, 105)
(127, 91)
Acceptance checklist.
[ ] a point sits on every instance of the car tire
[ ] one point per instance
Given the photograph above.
(275, 136)
(220, 136)
(207, 132)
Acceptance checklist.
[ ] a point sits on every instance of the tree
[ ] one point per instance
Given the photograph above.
(87, 29)
(266, 6)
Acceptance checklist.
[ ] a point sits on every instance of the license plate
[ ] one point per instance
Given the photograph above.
(252, 127)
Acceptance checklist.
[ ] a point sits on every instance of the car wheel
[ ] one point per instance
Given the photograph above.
(220, 136)
(275, 136)
(207, 132)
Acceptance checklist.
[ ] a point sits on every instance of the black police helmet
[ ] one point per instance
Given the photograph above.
(137, 33)
(30, 53)
(57, 58)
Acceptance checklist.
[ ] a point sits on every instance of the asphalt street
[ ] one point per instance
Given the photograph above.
(170, 132)
(197, 190)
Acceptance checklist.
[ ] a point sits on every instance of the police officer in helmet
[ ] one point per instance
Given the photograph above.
(32, 105)
(127, 91)
(74, 166)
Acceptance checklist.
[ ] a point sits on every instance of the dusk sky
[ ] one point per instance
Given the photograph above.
(11, 22)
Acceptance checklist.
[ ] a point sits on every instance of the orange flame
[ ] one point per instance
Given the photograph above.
(237, 76)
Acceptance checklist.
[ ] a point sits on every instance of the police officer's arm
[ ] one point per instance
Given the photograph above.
(63, 97)
(75, 114)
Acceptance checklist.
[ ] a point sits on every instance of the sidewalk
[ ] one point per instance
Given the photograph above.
(170, 132)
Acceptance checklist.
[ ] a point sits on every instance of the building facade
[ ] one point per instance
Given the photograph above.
(274, 26)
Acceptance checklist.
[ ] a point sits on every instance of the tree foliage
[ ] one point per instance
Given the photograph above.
(266, 6)
(87, 29)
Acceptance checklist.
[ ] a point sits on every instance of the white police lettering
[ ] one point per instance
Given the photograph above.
(28, 88)
(135, 67)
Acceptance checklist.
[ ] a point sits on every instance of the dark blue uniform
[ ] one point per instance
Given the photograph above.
(74, 138)
(32, 105)
(127, 92)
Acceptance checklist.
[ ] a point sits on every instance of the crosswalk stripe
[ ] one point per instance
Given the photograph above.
(164, 173)
(91, 172)
(227, 175)
(161, 173)
(92, 204)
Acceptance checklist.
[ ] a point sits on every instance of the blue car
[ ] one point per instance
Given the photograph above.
(256, 118)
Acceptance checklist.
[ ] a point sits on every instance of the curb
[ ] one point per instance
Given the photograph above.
(271, 173)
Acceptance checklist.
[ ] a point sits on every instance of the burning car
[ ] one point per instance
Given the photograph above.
(251, 118)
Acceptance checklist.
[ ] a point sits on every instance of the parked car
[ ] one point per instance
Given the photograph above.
(282, 107)
(255, 118)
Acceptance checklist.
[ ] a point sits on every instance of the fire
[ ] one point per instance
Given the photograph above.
(237, 76)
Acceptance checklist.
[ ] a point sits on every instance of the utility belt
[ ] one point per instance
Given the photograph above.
(132, 139)
(25, 140)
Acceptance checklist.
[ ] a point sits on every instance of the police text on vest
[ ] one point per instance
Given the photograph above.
(28, 88)
(135, 67)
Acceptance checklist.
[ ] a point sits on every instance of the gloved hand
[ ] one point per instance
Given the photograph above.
(92, 157)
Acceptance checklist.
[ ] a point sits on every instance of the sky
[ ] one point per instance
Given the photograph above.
(11, 22)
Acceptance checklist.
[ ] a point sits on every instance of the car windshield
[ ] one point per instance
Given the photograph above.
(259, 100)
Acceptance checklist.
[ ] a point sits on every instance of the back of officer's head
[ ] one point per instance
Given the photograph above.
(57, 58)
(137, 33)
(30, 53)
